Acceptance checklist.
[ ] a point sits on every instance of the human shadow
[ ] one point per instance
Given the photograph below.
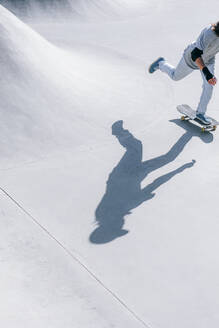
(123, 191)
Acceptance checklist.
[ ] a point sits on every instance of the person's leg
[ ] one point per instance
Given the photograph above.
(176, 73)
(207, 90)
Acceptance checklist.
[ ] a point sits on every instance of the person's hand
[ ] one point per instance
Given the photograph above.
(212, 81)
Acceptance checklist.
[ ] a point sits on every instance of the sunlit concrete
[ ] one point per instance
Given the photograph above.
(109, 213)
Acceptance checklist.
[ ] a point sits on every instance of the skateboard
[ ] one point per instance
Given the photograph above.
(188, 114)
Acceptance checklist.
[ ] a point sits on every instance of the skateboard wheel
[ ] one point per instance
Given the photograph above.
(214, 127)
(183, 118)
(203, 129)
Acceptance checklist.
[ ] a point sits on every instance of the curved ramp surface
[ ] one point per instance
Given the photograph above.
(88, 9)
(109, 214)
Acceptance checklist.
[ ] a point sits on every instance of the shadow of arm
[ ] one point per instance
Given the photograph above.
(171, 155)
(165, 178)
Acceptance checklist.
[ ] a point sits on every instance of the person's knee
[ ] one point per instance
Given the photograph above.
(207, 87)
(176, 77)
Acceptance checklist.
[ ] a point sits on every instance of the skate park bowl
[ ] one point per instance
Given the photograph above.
(109, 213)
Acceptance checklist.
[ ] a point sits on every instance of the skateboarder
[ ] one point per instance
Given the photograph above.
(198, 55)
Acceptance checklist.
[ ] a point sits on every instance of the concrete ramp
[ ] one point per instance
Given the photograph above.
(109, 214)
(82, 9)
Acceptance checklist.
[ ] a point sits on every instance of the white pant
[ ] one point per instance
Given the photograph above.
(181, 71)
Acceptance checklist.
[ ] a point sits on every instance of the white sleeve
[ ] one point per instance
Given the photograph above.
(205, 38)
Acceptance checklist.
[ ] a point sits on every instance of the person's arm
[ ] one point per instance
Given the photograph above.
(200, 63)
(197, 58)
(209, 77)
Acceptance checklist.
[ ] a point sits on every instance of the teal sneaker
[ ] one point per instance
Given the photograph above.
(203, 118)
(155, 65)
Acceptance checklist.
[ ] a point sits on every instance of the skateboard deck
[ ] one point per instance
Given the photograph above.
(189, 114)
